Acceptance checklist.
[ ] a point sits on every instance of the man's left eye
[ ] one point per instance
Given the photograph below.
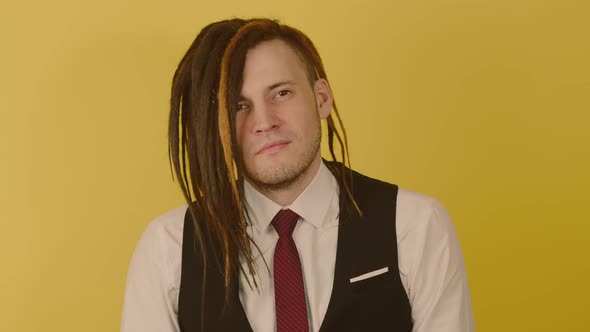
(283, 93)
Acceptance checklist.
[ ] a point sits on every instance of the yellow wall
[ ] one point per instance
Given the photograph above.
(483, 104)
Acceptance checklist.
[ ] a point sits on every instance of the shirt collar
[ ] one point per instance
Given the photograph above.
(311, 205)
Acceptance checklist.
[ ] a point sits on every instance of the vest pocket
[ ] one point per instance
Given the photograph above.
(373, 285)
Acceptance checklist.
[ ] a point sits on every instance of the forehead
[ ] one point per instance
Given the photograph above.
(270, 62)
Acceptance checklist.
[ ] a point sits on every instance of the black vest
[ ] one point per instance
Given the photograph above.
(365, 244)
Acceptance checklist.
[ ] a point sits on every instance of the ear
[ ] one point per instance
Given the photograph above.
(324, 98)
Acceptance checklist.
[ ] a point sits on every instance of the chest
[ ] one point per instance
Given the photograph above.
(364, 244)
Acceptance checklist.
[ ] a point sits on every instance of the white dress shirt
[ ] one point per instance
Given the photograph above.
(429, 257)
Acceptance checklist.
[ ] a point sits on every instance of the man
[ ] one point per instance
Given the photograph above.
(274, 237)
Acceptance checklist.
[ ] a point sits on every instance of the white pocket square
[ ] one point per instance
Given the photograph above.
(369, 275)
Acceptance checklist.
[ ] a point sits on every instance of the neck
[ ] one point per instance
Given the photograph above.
(286, 195)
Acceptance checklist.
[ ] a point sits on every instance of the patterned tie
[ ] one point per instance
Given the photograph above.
(290, 303)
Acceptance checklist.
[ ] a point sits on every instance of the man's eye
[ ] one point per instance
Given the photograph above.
(242, 106)
(283, 93)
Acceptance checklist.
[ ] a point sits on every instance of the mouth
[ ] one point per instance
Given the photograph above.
(272, 147)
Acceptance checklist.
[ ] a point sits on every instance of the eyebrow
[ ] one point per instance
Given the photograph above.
(277, 84)
(272, 87)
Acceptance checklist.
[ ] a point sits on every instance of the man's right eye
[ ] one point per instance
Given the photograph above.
(242, 106)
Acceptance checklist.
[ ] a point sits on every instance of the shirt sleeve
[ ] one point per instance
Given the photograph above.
(149, 304)
(437, 281)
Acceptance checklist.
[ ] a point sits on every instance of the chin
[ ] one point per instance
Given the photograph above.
(275, 173)
(279, 170)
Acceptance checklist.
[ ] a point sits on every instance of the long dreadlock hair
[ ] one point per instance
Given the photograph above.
(202, 139)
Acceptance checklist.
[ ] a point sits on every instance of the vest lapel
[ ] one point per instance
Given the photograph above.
(347, 228)
(234, 318)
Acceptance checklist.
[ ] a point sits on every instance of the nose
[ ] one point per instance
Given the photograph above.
(264, 118)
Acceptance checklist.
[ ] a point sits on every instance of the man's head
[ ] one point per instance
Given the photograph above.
(233, 64)
(247, 100)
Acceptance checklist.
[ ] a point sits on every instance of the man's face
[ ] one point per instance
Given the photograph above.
(278, 119)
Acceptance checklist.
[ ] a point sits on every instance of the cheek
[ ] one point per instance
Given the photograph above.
(239, 128)
(311, 121)
(241, 138)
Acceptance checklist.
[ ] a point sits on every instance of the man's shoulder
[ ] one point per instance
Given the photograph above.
(416, 212)
(171, 217)
(415, 200)
(413, 208)
(406, 196)
(420, 211)
(167, 226)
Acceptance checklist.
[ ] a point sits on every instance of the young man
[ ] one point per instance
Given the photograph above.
(274, 238)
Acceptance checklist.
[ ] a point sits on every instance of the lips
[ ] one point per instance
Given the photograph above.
(272, 146)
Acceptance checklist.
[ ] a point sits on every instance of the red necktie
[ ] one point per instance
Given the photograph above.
(290, 302)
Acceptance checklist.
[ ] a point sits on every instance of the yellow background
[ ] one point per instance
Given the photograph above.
(482, 104)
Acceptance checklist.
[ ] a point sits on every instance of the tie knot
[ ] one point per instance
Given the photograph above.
(284, 222)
